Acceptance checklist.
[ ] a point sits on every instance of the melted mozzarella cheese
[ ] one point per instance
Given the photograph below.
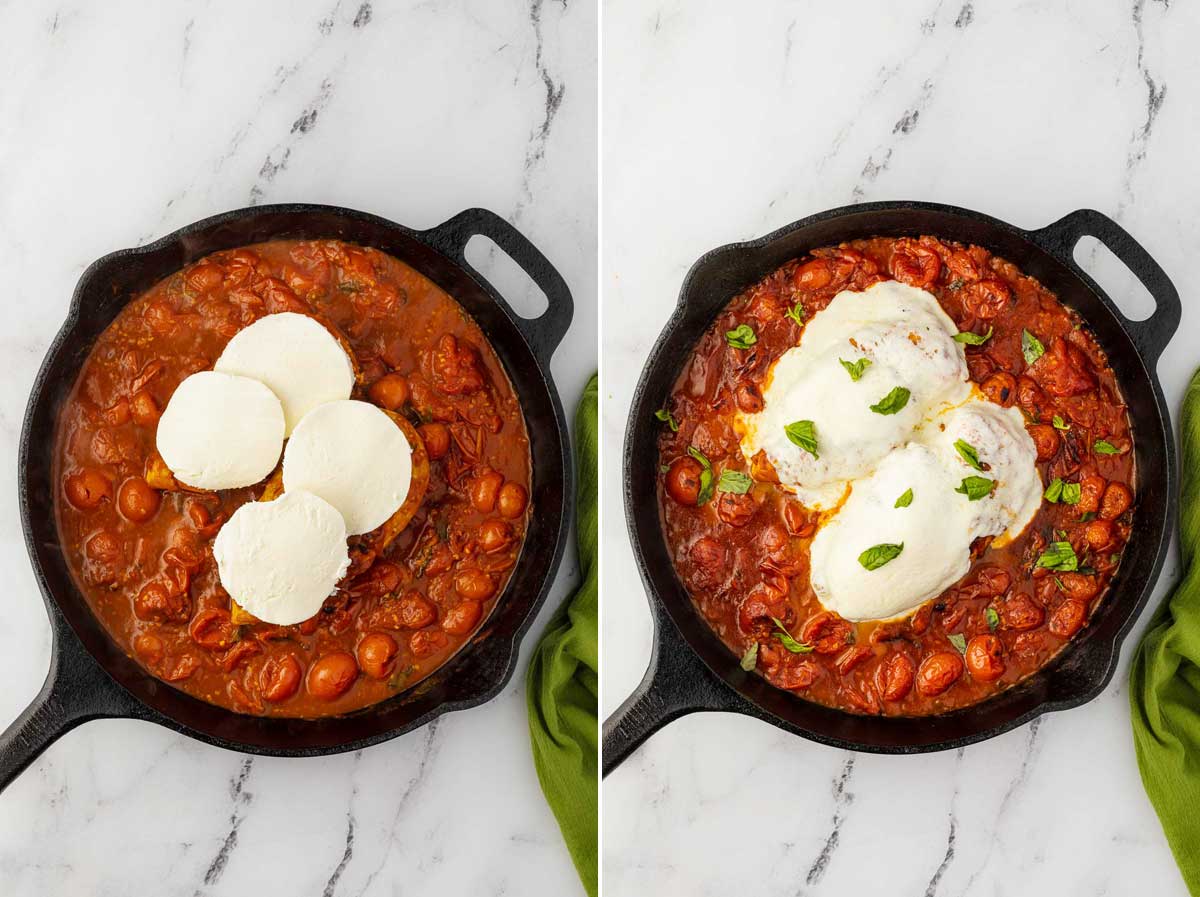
(281, 559)
(939, 525)
(220, 431)
(908, 340)
(352, 455)
(301, 361)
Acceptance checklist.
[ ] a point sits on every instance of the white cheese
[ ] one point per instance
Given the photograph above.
(939, 525)
(220, 431)
(908, 340)
(352, 455)
(293, 354)
(281, 559)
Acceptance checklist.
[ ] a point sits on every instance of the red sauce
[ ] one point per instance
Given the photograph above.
(744, 558)
(142, 556)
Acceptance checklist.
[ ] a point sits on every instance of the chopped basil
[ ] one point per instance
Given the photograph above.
(855, 368)
(968, 452)
(892, 402)
(1059, 423)
(803, 433)
(663, 468)
(975, 488)
(741, 337)
(788, 642)
(878, 555)
(706, 476)
(734, 481)
(1031, 347)
(959, 641)
(993, 618)
(665, 416)
(1087, 516)
(904, 500)
(750, 658)
(1059, 556)
(1115, 558)
(1054, 491)
(1071, 493)
(973, 339)
(1104, 447)
(796, 313)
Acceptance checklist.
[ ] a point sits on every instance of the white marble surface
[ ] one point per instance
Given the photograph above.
(122, 121)
(722, 125)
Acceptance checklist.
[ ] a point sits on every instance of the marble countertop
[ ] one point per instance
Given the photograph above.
(718, 126)
(122, 122)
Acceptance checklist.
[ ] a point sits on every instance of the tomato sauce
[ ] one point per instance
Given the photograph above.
(744, 556)
(142, 556)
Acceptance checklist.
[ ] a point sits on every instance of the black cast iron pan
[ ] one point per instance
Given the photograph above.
(691, 670)
(91, 678)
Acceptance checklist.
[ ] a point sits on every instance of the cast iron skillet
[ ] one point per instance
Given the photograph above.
(92, 678)
(691, 670)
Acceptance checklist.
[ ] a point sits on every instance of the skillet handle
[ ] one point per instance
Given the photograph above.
(1151, 335)
(76, 690)
(543, 333)
(676, 684)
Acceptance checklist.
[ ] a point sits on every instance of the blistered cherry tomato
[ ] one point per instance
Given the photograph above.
(143, 409)
(484, 489)
(474, 585)
(1116, 501)
(985, 658)
(938, 672)
(389, 391)
(436, 438)
(137, 500)
(279, 678)
(512, 500)
(377, 654)
(416, 611)
(895, 677)
(1000, 388)
(427, 642)
(683, 480)
(461, 618)
(1067, 618)
(332, 675)
(1045, 439)
(88, 487)
(494, 535)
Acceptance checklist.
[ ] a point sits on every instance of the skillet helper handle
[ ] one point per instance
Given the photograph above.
(76, 690)
(1151, 335)
(544, 332)
(677, 683)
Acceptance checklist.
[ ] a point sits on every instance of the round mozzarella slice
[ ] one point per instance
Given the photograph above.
(301, 361)
(220, 431)
(352, 455)
(281, 559)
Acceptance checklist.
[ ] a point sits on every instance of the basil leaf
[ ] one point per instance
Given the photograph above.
(973, 339)
(788, 642)
(1087, 516)
(878, 555)
(665, 416)
(1104, 447)
(904, 500)
(1059, 423)
(1071, 493)
(1059, 556)
(892, 402)
(741, 337)
(855, 368)
(734, 481)
(706, 476)
(959, 641)
(968, 452)
(750, 658)
(993, 618)
(796, 313)
(1054, 491)
(975, 488)
(1031, 347)
(803, 433)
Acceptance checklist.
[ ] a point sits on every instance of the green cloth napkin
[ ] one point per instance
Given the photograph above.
(1164, 686)
(562, 687)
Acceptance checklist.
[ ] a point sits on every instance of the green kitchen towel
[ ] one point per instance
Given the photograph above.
(562, 688)
(1164, 687)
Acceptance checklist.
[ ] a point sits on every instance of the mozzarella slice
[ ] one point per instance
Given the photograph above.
(938, 526)
(220, 431)
(281, 559)
(352, 455)
(301, 361)
(908, 341)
